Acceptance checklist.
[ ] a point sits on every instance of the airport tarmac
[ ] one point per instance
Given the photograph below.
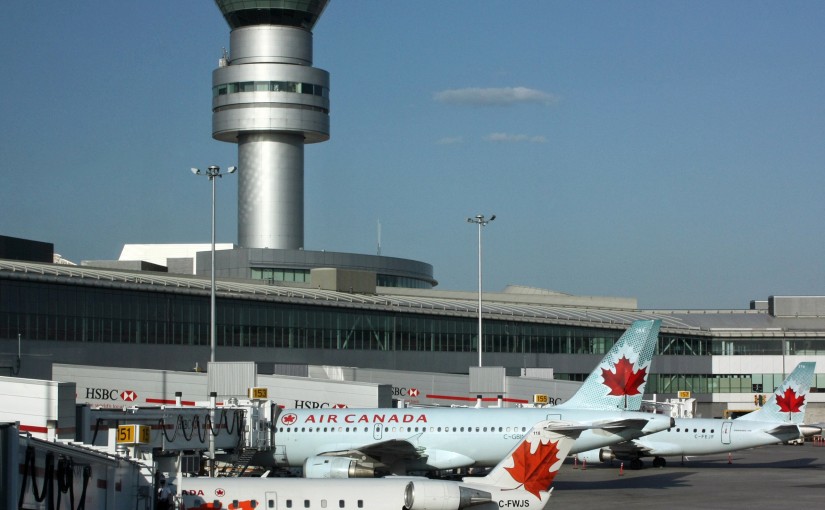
(770, 477)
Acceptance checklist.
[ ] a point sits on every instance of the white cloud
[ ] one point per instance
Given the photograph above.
(511, 138)
(451, 140)
(505, 96)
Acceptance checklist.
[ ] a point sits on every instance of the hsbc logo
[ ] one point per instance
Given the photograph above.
(404, 392)
(110, 394)
(312, 404)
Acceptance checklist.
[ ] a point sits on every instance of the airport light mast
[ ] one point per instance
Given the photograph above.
(481, 222)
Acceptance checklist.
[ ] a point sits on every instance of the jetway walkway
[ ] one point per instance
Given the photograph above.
(235, 430)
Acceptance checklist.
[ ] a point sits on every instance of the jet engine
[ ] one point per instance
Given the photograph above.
(336, 467)
(601, 455)
(442, 495)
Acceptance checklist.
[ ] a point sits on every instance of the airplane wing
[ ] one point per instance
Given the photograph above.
(385, 452)
(629, 449)
(784, 429)
(627, 423)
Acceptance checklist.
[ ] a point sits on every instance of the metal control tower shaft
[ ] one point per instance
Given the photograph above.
(267, 98)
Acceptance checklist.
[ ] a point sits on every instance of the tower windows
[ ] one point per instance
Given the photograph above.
(271, 86)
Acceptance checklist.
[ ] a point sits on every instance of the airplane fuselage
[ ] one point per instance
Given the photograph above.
(698, 436)
(441, 438)
(246, 493)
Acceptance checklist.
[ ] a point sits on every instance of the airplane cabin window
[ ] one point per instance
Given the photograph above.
(323, 503)
(306, 503)
(289, 503)
(270, 503)
(360, 503)
(340, 503)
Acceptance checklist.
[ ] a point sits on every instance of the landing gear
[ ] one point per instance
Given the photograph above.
(636, 464)
(659, 462)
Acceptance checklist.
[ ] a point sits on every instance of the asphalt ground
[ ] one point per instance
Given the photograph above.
(770, 477)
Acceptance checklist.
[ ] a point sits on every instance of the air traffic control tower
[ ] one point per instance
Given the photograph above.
(268, 99)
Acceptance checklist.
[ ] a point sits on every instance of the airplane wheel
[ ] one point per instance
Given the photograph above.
(636, 464)
(659, 462)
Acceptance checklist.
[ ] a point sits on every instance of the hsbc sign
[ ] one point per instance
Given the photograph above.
(110, 394)
(404, 392)
(312, 404)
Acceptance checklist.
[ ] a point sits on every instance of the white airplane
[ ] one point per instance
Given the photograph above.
(523, 479)
(779, 420)
(350, 443)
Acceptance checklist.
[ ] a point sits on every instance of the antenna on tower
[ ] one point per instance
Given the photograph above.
(224, 60)
(379, 237)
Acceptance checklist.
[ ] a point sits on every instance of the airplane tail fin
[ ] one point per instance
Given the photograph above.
(534, 463)
(787, 404)
(619, 380)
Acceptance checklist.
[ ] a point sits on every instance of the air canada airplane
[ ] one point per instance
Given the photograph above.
(523, 479)
(351, 443)
(779, 420)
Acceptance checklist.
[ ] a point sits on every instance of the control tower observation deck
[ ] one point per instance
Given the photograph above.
(267, 98)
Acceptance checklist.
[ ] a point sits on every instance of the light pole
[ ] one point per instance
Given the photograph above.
(212, 172)
(481, 222)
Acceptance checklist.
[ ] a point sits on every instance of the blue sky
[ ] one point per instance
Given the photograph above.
(667, 151)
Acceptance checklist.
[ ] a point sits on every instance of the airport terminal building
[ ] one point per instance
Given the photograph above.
(53, 313)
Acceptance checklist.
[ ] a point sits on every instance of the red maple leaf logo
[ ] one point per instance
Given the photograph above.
(624, 381)
(790, 402)
(533, 469)
(289, 419)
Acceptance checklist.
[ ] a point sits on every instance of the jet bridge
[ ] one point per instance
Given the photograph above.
(235, 430)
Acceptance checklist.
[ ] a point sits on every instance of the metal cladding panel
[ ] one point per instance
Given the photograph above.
(309, 126)
(37, 405)
(268, 71)
(117, 387)
(485, 380)
(797, 306)
(303, 393)
(231, 379)
(271, 191)
(268, 43)
(557, 391)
